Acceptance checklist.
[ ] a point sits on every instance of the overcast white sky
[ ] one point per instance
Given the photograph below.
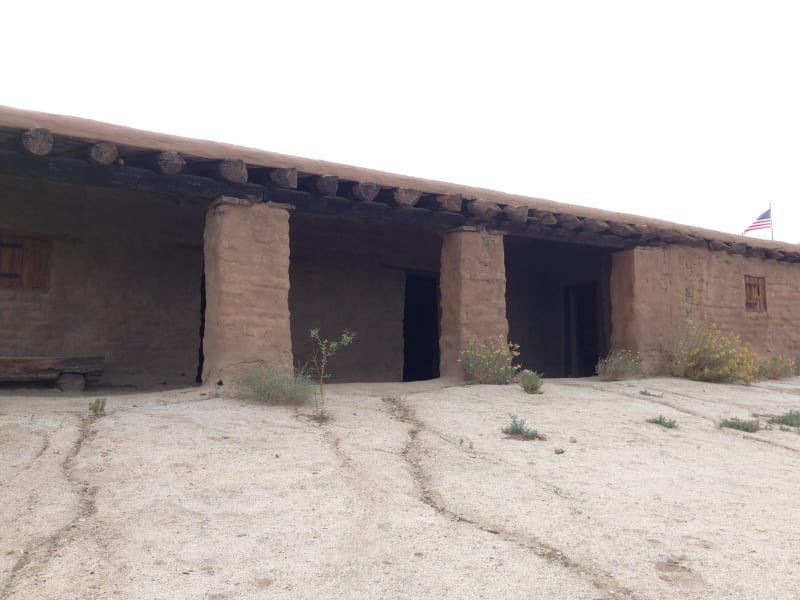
(682, 110)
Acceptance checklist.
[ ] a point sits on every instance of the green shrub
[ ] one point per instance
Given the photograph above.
(791, 418)
(519, 429)
(98, 407)
(491, 362)
(324, 350)
(531, 382)
(777, 367)
(276, 386)
(741, 424)
(618, 365)
(664, 422)
(704, 353)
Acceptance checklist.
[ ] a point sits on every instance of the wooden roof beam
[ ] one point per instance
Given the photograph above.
(37, 141)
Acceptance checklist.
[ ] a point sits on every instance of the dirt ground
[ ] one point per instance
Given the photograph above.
(411, 491)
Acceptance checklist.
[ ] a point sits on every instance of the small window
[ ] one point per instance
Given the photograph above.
(24, 261)
(755, 293)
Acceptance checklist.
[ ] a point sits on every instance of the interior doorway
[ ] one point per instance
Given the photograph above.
(421, 327)
(580, 330)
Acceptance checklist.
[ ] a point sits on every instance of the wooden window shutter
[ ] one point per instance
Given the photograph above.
(24, 262)
(755, 293)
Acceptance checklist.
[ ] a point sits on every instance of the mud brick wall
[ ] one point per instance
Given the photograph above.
(247, 289)
(473, 292)
(124, 280)
(654, 291)
(348, 275)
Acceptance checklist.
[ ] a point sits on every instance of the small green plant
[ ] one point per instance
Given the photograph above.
(517, 428)
(276, 386)
(651, 394)
(741, 424)
(531, 382)
(664, 422)
(324, 350)
(777, 367)
(98, 407)
(791, 419)
(490, 362)
(704, 353)
(618, 365)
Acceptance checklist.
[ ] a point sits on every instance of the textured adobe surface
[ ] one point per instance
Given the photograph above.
(247, 288)
(473, 292)
(655, 290)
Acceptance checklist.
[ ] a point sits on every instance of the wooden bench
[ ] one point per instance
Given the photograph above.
(69, 374)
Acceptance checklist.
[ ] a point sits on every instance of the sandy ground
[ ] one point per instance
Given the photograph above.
(411, 491)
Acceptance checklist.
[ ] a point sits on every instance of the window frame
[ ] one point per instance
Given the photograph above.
(755, 293)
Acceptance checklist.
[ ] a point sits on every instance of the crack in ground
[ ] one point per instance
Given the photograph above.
(411, 453)
(37, 556)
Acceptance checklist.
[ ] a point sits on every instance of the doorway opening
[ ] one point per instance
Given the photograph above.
(200, 357)
(421, 327)
(558, 304)
(580, 330)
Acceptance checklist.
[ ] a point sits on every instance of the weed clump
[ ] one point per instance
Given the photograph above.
(702, 352)
(518, 429)
(98, 407)
(791, 419)
(741, 424)
(619, 365)
(664, 422)
(490, 362)
(275, 386)
(531, 382)
(777, 367)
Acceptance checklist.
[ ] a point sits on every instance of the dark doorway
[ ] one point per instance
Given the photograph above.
(421, 328)
(200, 357)
(580, 330)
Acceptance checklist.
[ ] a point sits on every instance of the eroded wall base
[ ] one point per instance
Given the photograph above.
(473, 293)
(247, 289)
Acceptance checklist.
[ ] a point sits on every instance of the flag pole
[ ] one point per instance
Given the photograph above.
(771, 230)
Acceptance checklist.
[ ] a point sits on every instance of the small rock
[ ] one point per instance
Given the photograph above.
(559, 451)
(572, 440)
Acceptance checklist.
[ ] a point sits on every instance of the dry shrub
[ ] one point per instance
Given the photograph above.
(779, 366)
(618, 365)
(702, 352)
(490, 362)
(531, 382)
(275, 386)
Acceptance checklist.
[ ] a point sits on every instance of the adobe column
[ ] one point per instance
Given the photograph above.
(247, 288)
(473, 292)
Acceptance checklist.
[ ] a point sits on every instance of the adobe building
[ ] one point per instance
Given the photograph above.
(179, 260)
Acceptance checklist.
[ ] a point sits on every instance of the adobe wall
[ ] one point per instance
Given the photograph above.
(247, 289)
(347, 275)
(124, 281)
(473, 292)
(654, 291)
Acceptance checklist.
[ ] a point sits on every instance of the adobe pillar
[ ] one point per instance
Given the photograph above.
(473, 292)
(247, 288)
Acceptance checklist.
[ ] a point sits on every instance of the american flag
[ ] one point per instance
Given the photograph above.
(764, 221)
